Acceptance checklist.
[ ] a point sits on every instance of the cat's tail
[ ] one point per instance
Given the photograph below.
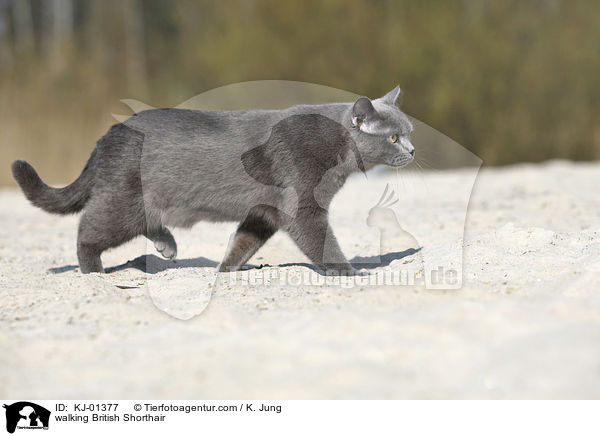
(69, 199)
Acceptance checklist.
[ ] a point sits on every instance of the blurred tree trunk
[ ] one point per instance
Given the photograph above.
(5, 50)
(57, 30)
(22, 24)
(135, 49)
(63, 18)
(95, 35)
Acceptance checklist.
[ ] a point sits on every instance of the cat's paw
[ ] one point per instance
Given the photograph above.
(167, 249)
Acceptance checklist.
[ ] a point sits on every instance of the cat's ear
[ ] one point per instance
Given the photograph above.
(393, 98)
(362, 111)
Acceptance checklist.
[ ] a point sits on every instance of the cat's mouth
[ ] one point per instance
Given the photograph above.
(401, 161)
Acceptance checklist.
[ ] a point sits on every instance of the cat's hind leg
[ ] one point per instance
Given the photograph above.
(88, 255)
(107, 221)
(100, 230)
(92, 240)
(251, 234)
(164, 242)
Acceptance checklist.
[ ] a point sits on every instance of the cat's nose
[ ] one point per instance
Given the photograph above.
(407, 146)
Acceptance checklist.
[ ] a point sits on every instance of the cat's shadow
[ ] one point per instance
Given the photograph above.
(152, 264)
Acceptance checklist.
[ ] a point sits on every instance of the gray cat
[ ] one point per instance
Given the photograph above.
(267, 169)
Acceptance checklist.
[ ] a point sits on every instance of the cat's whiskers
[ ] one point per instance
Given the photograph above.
(422, 174)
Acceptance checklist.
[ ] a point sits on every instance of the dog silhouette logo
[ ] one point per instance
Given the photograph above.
(26, 415)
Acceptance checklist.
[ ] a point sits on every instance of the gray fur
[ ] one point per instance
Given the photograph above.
(267, 169)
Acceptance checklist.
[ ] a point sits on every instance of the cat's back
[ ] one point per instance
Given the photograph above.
(176, 122)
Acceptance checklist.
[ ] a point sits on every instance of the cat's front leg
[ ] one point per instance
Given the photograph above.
(311, 231)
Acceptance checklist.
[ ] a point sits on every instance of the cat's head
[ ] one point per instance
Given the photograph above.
(381, 130)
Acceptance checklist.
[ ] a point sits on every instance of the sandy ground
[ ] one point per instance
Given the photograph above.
(525, 324)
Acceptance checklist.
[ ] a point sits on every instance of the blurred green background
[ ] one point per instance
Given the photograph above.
(510, 80)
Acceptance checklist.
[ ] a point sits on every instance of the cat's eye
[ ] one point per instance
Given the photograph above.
(393, 138)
